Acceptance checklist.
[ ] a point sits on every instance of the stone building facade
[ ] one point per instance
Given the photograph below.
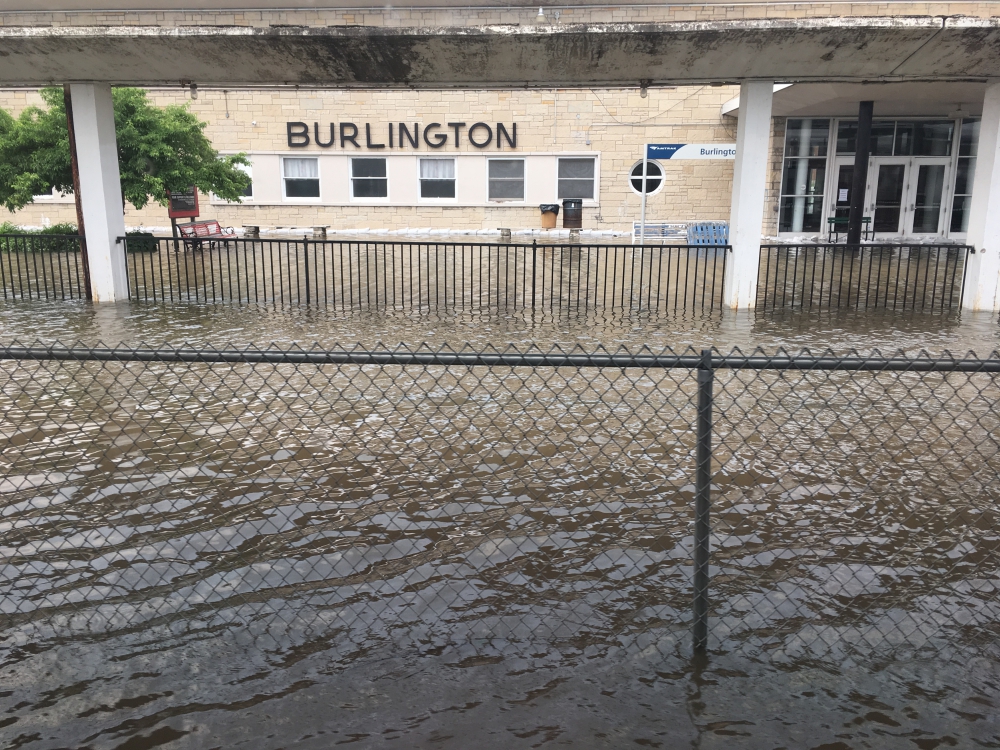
(554, 132)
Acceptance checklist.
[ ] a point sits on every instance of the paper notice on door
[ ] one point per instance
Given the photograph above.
(842, 195)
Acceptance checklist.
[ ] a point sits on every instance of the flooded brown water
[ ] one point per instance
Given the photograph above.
(301, 557)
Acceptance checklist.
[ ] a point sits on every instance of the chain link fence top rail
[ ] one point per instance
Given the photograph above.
(838, 506)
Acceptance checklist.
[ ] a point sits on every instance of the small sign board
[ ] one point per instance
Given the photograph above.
(183, 204)
(677, 151)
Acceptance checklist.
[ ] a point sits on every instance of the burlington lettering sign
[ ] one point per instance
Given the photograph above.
(401, 135)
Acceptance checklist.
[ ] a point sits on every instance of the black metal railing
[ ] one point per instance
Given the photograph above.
(896, 277)
(41, 266)
(428, 275)
(801, 504)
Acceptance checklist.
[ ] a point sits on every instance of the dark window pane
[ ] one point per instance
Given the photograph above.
(576, 168)
(847, 137)
(889, 197)
(506, 190)
(371, 188)
(302, 188)
(576, 189)
(904, 138)
(933, 138)
(368, 167)
(960, 213)
(882, 138)
(927, 205)
(966, 173)
(654, 176)
(970, 138)
(248, 190)
(437, 188)
(845, 183)
(508, 168)
(806, 137)
(803, 177)
(800, 214)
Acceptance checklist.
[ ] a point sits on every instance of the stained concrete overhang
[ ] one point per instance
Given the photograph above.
(831, 49)
(909, 99)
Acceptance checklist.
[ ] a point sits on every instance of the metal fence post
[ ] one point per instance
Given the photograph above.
(703, 500)
(305, 253)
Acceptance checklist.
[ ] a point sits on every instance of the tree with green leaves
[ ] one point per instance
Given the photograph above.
(159, 149)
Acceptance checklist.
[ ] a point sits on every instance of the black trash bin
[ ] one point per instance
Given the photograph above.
(572, 213)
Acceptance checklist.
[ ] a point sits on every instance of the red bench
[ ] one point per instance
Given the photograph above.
(195, 233)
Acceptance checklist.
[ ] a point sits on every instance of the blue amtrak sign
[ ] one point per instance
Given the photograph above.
(679, 151)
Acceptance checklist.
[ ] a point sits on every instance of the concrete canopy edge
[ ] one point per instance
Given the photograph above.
(566, 55)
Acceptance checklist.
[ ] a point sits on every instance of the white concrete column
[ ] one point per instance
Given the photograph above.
(746, 218)
(982, 277)
(100, 189)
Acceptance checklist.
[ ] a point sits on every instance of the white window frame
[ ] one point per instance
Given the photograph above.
(663, 177)
(597, 171)
(420, 197)
(295, 199)
(351, 178)
(524, 179)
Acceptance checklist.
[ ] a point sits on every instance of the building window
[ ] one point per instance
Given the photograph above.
(368, 178)
(437, 178)
(654, 177)
(899, 137)
(576, 178)
(506, 178)
(248, 171)
(803, 175)
(964, 175)
(301, 177)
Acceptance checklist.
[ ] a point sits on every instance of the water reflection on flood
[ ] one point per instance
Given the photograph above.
(219, 576)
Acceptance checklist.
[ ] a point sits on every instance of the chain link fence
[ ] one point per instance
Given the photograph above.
(789, 506)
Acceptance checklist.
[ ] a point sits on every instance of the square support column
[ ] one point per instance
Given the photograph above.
(982, 276)
(100, 189)
(746, 218)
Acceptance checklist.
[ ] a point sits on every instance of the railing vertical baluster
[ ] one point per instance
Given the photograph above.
(703, 501)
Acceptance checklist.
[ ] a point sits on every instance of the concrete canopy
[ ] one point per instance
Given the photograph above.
(908, 99)
(563, 55)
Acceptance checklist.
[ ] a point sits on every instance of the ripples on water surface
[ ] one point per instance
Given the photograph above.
(298, 672)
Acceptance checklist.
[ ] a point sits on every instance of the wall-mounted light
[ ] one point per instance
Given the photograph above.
(194, 90)
(540, 18)
(643, 91)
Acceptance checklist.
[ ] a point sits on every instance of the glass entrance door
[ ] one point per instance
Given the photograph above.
(908, 197)
(886, 199)
(926, 197)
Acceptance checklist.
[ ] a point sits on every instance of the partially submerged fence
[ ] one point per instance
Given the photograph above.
(796, 506)
(41, 266)
(430, 275)
(892, 276)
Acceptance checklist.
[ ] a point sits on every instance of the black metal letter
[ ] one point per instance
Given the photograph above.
(489, 135)
(353, 137)
(441, 138)
(511, 137)
(298, 134)
(413, 139)
(368, 138)
(455, 126)
(333, 136)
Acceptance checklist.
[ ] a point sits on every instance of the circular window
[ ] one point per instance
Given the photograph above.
(654, 177)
